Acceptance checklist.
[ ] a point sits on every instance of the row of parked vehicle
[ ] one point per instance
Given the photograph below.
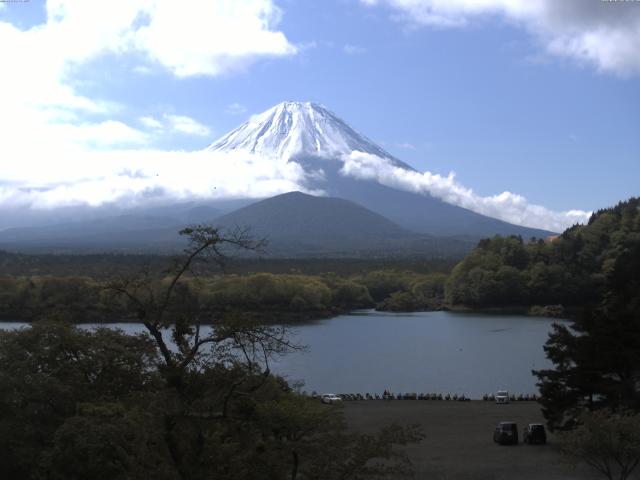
(502, 396)
(506, 433)
(392, 396)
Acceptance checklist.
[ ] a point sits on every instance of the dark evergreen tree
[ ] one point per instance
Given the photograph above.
(597, 358)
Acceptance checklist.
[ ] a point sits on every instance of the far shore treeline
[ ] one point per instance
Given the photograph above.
(552, 276)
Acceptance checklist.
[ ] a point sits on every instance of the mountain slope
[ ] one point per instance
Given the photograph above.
(137, 233)
(297, 224)
(415, 212)
(315, 138)
(385, 221)
(293, 128)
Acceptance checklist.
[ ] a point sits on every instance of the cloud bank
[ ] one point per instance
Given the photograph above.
(140, 177)
(601, 33)
(60, 147)
(507, 206)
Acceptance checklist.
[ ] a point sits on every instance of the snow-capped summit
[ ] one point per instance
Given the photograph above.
(293, 128)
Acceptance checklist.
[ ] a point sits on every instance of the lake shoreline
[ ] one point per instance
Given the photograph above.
(284, 319)
(301, 318)
(549, 311)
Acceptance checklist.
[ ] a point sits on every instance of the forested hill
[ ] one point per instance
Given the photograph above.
(570, 269)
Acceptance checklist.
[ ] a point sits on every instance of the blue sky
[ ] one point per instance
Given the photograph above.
(541, 102)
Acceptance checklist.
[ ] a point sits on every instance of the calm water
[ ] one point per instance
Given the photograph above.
(414, 352)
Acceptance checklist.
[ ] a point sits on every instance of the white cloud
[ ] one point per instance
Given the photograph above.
(134, 177)
(131, 177)
(236, 109)
(406, 146)
(142, 70)
(506, 206)
(108, 133)
(207, 37)
(353, 49)
(40, 103)
(186, 125)
(605, 34)
(52, 152)
(151, 122)
(172, 123)
(55, 140)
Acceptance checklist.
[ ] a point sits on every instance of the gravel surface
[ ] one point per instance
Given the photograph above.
(459, 439)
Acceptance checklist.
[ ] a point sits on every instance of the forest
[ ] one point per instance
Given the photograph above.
(569, 270)
(77, 404)
(266, 297)
(73, 288)
(97, 403)
(554, 277)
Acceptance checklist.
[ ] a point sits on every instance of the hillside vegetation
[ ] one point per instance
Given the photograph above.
(263, 297)
(549, 277)
(568, 270)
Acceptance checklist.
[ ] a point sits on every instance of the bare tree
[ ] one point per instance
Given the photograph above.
(166, 304)
(222, 408)
(191, 340)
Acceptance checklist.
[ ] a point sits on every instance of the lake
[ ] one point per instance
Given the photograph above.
(442, 352)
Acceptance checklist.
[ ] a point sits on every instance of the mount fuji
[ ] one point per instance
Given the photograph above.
(294, 129)
(353, 215)
(320, 142)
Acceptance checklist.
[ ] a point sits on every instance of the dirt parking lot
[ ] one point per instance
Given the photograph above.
(459, 443)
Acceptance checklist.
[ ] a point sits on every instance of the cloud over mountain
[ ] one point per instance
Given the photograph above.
(253, 161)
(507, 206)
(140, 177)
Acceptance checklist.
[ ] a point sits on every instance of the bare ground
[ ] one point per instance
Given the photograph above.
(459, 443)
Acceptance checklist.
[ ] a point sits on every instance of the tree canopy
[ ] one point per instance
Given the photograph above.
(176, 403)
(570, 269)
(597, 357)
(607, 442)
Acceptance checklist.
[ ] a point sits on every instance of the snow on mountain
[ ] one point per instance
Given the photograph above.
(340, 162)
(298, 128)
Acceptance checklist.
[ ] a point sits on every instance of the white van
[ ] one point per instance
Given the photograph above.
(502, 396)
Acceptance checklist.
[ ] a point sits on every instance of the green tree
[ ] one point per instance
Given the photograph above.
(607, 442)
(572, 269)
(194, 398)
(224, 412)
(597, 359)
(108, 441)
(47, 372)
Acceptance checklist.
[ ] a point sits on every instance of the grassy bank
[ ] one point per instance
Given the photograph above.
(458, 443)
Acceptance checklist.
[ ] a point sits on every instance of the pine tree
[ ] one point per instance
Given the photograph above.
(597, 358)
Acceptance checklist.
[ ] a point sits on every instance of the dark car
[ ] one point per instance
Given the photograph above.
(534, 433)
(506, 433)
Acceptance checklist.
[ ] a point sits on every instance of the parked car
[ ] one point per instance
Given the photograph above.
(502, 396)
(534, 433)
(330, 398)
(506, 433)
